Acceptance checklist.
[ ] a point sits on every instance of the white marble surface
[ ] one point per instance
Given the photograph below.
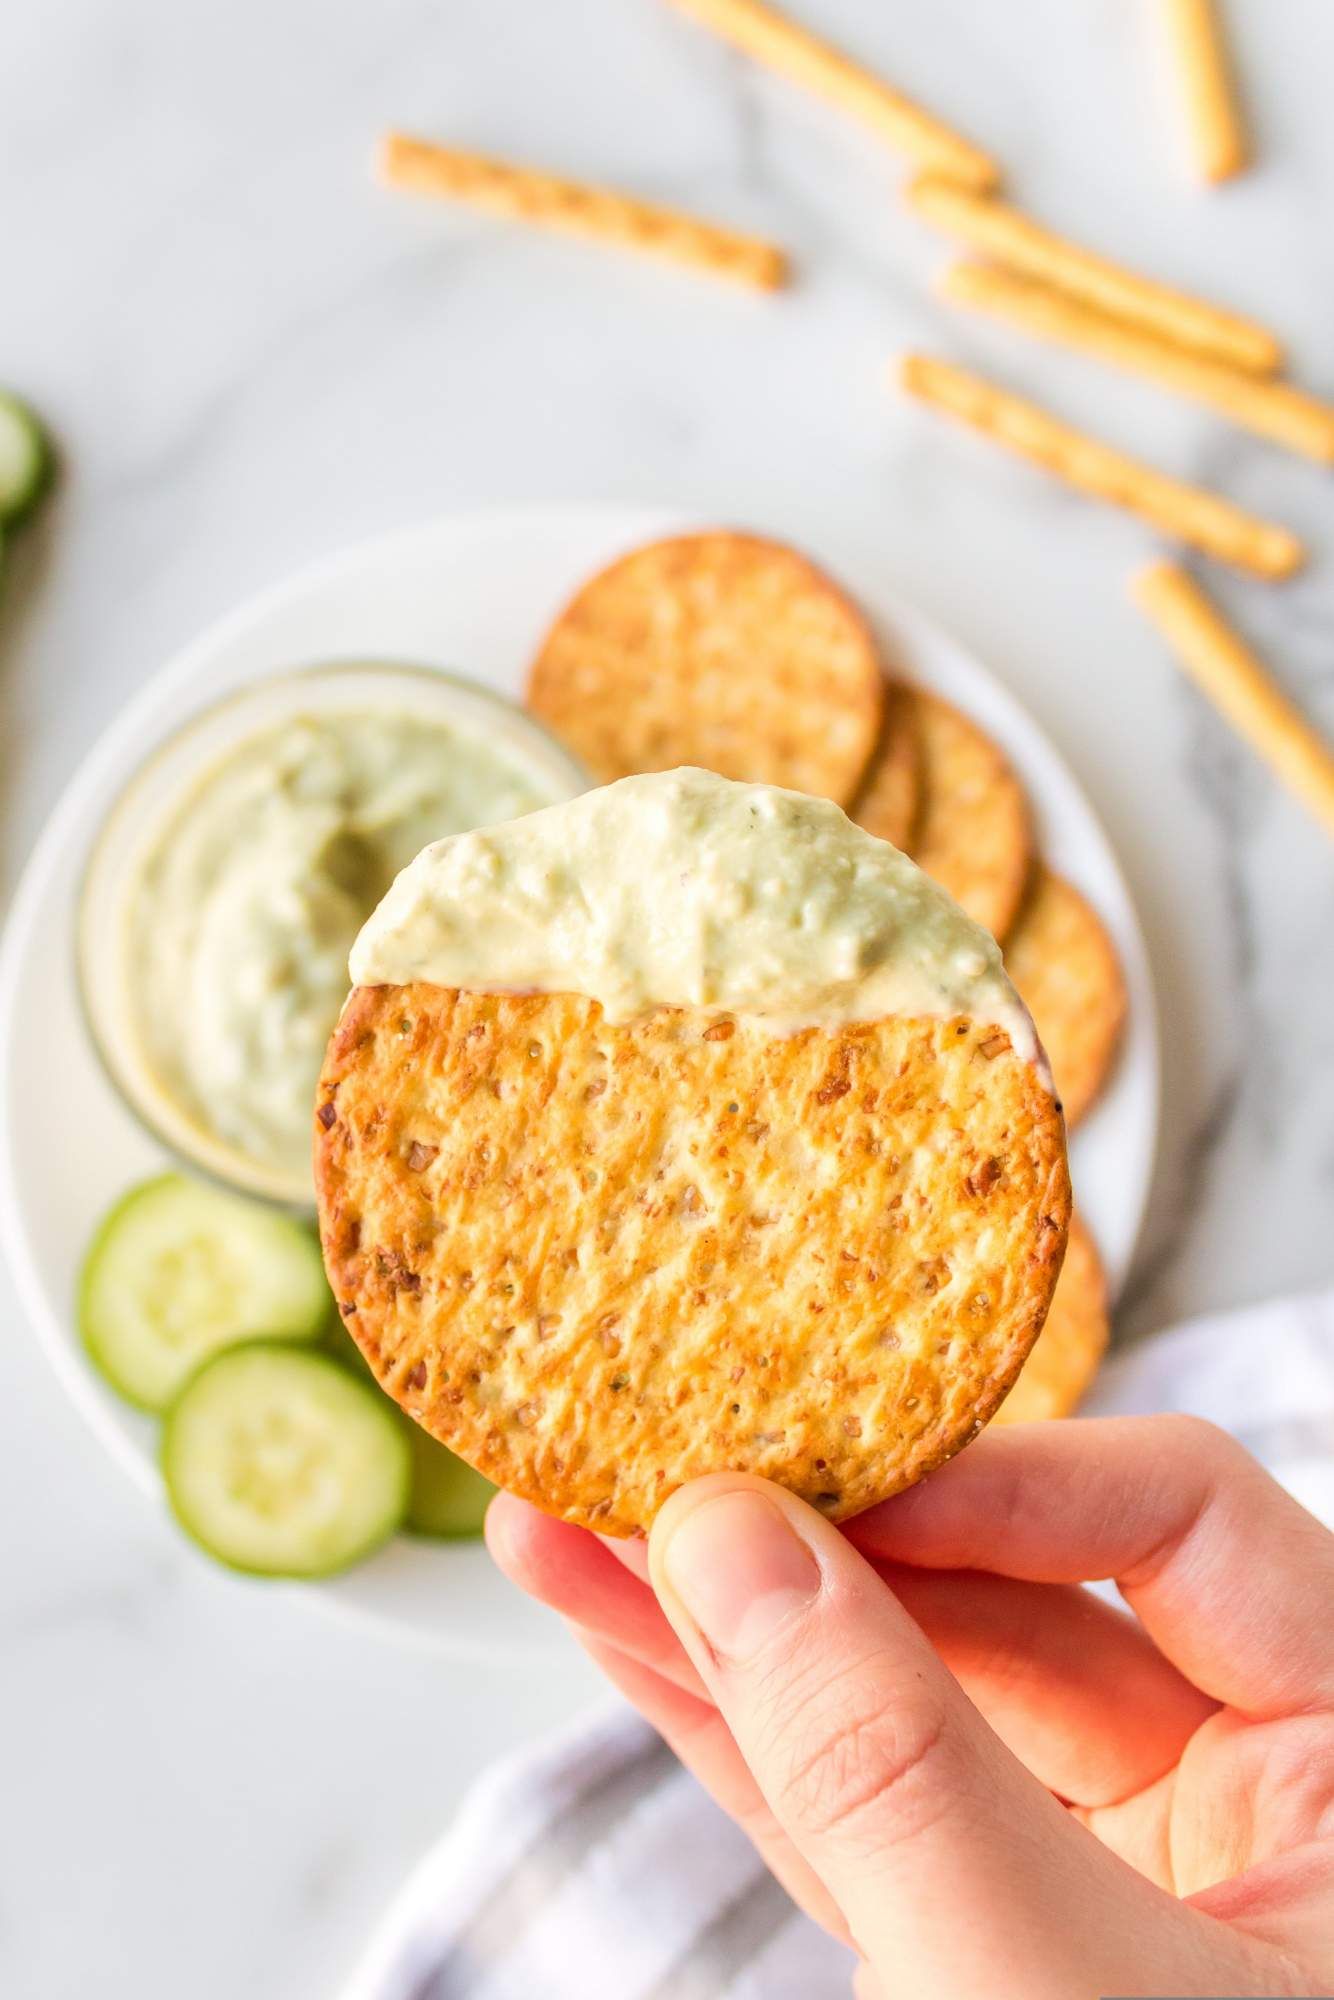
(252, 355)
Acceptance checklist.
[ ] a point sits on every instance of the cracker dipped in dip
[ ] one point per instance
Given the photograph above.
(684, 1127)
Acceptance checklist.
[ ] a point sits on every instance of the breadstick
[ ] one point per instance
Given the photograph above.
(1273, 410)
(531, 196)
(1214, 122)
(1012, 239)
(804, 59)
(1190, 513)
(1220, 662)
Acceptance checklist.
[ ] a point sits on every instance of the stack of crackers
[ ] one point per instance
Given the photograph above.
(737, 654)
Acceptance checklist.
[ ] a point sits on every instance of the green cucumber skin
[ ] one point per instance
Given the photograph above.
(463, 1537)
(422, 1446)
(252, 1570)
(92, 1342)
(339, 1345)
(450, 1536)
(342, 1349)
(110, 1221)
(38, 484)
(333, 1319)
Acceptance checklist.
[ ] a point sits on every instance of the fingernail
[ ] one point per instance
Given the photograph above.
(740, 1571)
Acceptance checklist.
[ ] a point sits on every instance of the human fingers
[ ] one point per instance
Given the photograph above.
(885, 1777)
(693, 1728)
(620, 1624)
(631, 1551)
(1230, 1576)
(1075, 1688)
(1071, 1685)
(574, 1573)
(1288, 1901)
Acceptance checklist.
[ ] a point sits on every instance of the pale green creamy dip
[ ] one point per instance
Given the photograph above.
(253, 889)
(684, 889)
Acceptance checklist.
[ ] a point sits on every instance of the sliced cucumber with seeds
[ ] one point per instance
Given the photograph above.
(180, 1269)
(448, 1500)
(279, 1462)
(25, 460)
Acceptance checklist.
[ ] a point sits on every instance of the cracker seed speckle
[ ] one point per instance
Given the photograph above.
(667, 1273)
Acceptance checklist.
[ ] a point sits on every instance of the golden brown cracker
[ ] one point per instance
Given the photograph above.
(1069, 977)
(600, 1260)
(1058, 1372)
(716, 649)
(887, 803)
(973, 834)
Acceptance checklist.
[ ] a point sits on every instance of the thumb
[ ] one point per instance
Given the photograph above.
(956, 1871)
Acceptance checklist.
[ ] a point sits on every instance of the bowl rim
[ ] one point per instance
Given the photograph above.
(213, 1159)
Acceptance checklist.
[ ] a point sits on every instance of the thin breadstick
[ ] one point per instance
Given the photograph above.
(532, 196)
(1189, 513)
(801, 57)
(1273, 410)
(1012, 239)
(1216, 130)
(1220, 662)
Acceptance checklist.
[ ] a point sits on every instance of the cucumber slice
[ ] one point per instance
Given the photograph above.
(279, 1462)
(448, 1499)
(339, 1343)
(26, 460)
(180, 1269)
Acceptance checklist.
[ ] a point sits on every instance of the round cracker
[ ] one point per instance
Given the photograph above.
(719, 650)
(1058, 1372)
(973, 832)
(600, 1260)
(1069, 977)
(887, 803)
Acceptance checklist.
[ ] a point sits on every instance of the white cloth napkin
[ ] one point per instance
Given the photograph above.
(594, 1868)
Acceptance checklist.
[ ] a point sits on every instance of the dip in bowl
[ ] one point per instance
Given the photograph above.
(230, 879)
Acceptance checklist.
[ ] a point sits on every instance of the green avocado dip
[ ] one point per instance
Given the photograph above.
(250, 891)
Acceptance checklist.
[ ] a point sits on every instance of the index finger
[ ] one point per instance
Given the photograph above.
(1230, 1576)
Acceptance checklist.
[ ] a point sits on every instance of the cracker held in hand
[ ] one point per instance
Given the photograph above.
(1069, 977)
(720, 650)
(600, 1247)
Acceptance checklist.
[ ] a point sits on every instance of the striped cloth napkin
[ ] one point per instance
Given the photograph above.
(594, 1867)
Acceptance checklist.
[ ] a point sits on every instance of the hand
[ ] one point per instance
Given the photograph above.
(989, 1782)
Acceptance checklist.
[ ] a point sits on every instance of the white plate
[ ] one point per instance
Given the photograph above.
(474, 594)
